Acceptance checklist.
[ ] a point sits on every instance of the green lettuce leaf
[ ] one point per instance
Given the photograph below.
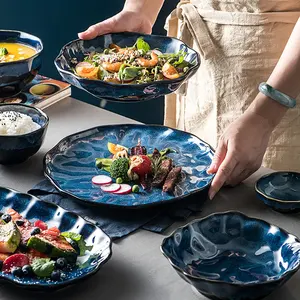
(78, 238)
(142, 45)
(42, 267)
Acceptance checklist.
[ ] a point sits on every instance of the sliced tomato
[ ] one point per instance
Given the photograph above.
(141, 164)
(40, 224)
(53, 231)
(15, 260)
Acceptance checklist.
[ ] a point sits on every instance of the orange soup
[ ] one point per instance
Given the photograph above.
(14, 51)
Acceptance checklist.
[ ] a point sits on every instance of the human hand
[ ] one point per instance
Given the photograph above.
(126, 20)
(240, 151)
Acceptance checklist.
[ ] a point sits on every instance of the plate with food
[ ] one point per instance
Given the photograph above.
(43, 246)
(130, 166)
(127, 66)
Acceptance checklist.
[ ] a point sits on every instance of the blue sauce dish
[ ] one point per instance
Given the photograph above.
(280, 191)
(75, 51)
(230, 256)
(15, 75)
(15, 149)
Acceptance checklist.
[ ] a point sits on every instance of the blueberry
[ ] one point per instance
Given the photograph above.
(61, 263)
(55, 275)
(17, 271)
(75, 246)
(35, 231)
(27, 271)
(6, 218)
(23, 247)
(20, 222)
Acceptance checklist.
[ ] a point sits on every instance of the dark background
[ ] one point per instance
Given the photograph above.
(57, 21)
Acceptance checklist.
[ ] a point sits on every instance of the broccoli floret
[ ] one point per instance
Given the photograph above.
(3, 51)
(119, 168)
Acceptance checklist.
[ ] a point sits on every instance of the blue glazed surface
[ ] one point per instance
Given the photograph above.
(17, 148)
(70, 165)
(14, 76)
(127, 92)
(34, 209)
(280, 191)
(232, 256)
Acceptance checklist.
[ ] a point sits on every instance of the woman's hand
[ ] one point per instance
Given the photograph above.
(126, 20)
(240, 151)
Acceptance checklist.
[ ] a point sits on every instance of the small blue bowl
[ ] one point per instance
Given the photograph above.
(75, 51)
(280, 191)
(15, 149)
(230, 256)
(14, 76)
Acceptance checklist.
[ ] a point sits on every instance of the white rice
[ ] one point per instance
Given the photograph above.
(15, 123)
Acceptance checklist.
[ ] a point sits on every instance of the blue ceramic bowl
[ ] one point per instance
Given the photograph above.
(280, 191)
(34, 209)
(14, 76)
(70, 165)
(75, 51)
(15, 149)
(230, 256)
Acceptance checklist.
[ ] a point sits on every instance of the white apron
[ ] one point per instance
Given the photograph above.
(240, 42)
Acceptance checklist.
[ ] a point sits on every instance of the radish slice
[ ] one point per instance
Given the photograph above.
(111, 188)
(101, 180)
(124, 189)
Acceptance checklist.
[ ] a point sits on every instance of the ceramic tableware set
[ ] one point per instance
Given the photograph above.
(226, 256)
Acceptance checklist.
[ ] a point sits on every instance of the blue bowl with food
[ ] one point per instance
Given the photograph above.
(22, 132)
(20, 61)
(127, 66)
(230, 256)
(280, 191)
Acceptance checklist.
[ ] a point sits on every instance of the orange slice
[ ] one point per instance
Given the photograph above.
(115, 148)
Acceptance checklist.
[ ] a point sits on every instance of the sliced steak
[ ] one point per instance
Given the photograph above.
(163, 171)
(172, 179)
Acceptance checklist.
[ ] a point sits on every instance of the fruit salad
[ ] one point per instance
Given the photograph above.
(130, 168)
(36, 250)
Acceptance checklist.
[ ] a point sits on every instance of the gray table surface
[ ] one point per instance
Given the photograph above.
(137, 269)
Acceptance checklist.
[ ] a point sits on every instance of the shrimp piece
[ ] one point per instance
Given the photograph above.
(148, 63)
(170, 71)
(112, 80)
(112, 67)
(87, 70)
(119, 49)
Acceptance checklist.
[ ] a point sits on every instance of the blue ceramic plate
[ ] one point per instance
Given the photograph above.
(70, 165)
(280, 191)
(232, 256)
(75, 51)
(33, 209)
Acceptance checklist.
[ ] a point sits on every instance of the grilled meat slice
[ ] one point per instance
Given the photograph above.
(162, 173)
(172, 179)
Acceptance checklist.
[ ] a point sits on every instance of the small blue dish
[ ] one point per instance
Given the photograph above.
(75, 51)
(14, 76)
(16, 149)
(34, 209)
(230, 256)
(70, 165)
(280, 191)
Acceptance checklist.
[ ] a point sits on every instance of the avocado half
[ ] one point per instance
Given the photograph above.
(10, 237)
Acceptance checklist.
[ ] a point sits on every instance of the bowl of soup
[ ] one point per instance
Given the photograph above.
(20, 61)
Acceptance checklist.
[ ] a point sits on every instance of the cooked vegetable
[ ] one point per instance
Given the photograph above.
(135, 189)
(3, 51)
(104, 163)
(141, 164)
(119, 169)
(10, 237)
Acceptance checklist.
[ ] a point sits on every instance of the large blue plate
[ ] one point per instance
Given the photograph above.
(33, 209)
(70, 165)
